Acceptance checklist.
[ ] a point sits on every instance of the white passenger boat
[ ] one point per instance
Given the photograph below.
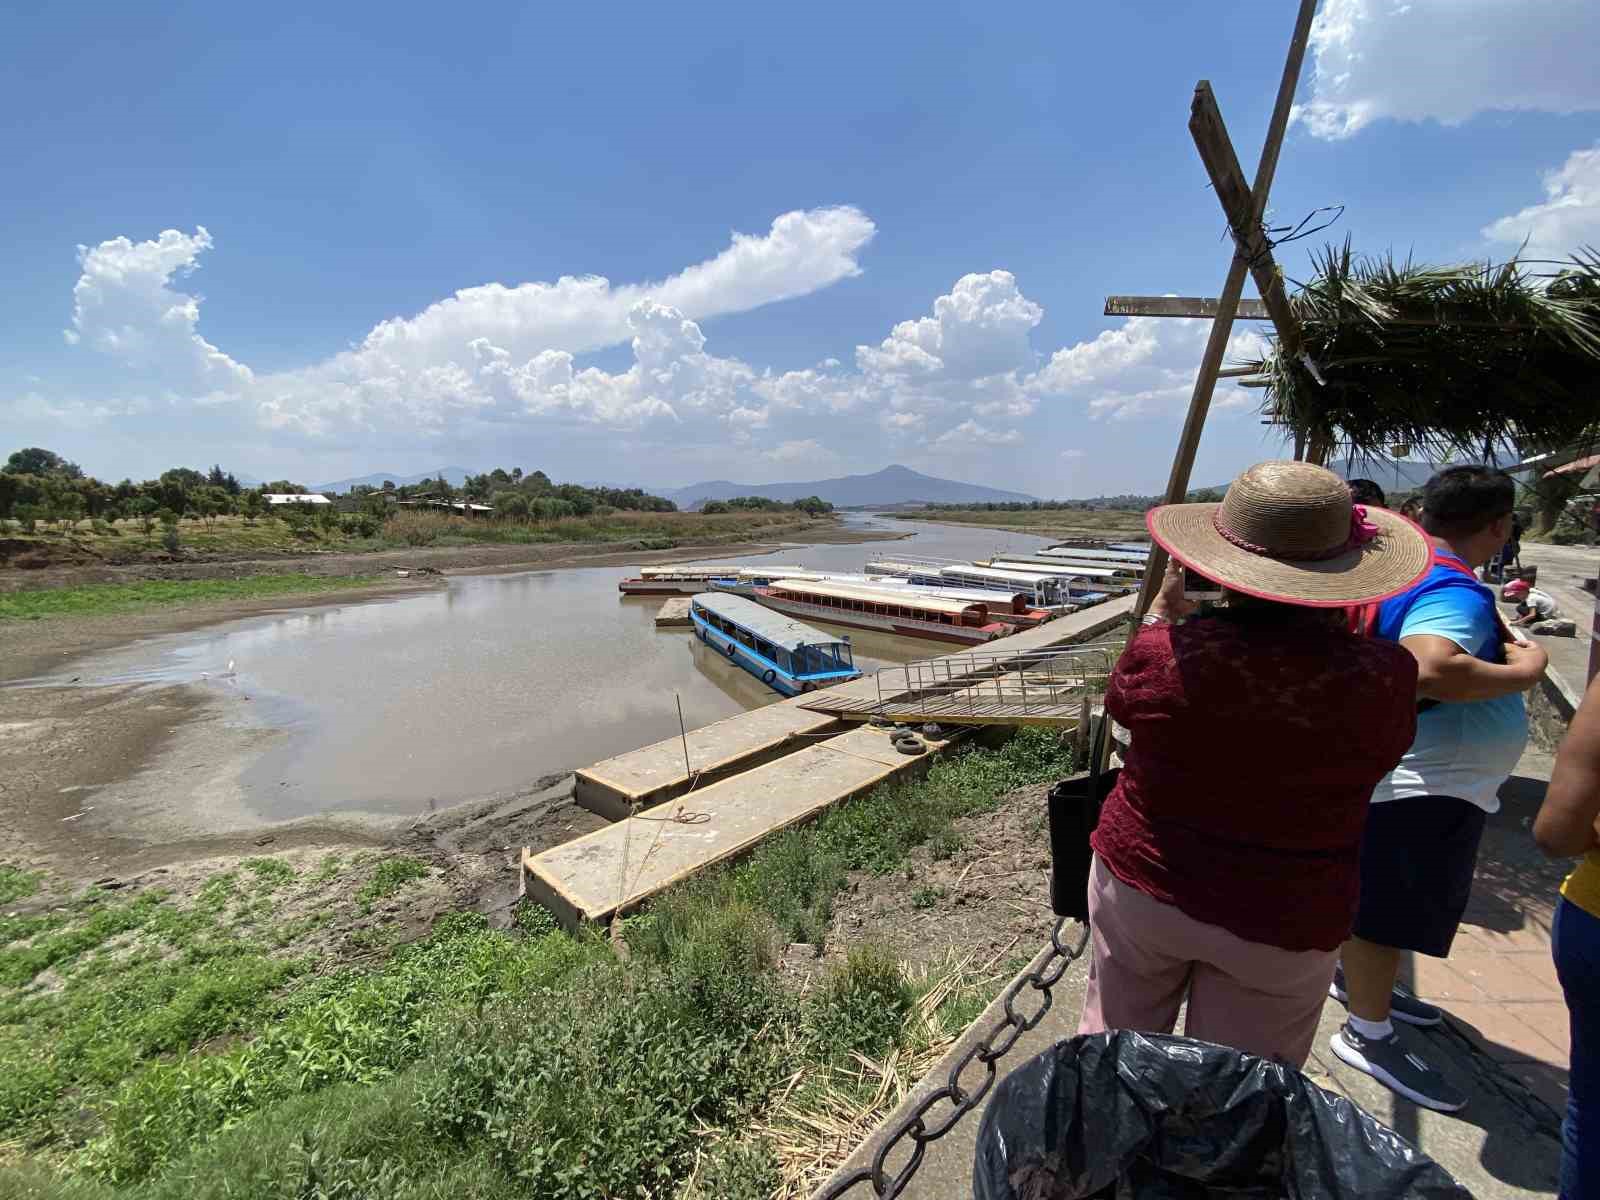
(905, 613)
(786, 655)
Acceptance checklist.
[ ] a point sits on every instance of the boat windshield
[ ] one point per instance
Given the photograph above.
(823, 659)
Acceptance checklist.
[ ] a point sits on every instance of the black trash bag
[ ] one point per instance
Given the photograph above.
(1131, 1116)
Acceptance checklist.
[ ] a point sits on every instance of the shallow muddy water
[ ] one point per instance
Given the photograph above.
(407, 705)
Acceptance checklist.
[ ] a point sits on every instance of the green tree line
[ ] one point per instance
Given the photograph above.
(40, 486)
(1128, 502)
(520, 495)
(813, 506)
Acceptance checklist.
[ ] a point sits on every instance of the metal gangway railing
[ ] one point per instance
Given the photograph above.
(1054, 686)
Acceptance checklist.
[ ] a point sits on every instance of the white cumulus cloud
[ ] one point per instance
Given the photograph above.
(1142, 367)
(801, 450)
(124, 305)
(970, 433)
(1447, 60)
(501, 367)
(488, 352)
(1568, 218)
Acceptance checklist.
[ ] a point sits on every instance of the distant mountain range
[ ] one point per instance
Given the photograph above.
(896, 485)
(454, 476)
(892, 485)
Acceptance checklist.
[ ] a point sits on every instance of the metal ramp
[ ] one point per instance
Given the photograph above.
(1055, 687)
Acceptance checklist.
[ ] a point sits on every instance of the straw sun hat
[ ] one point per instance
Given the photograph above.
(1288, 531)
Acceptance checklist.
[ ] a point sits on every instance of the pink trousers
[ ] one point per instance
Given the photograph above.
(1148, 955)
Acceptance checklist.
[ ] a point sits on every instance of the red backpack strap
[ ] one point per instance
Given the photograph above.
(1443, 558)
(1364, 617)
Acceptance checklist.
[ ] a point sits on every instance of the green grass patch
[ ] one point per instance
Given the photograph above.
(99, 599)
(17, 884)
(390, 875)
(270, 873)
(179, 1057)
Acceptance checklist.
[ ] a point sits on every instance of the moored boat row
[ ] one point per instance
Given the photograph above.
(684, 579)
(937, 599)
(904, 612)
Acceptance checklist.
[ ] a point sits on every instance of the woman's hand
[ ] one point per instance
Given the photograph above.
(1170, 603)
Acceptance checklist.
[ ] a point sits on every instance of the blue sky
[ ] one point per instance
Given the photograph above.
(930, 209)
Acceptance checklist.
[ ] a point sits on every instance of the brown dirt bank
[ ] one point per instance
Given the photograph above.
(70, 572)
(118, 783)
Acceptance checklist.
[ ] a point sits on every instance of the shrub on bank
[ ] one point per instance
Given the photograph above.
(413, 528)
(652, 531)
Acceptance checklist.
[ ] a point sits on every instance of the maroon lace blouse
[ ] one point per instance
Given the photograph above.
(1254, 754)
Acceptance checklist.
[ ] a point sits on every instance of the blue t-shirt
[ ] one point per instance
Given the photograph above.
(1464, 749)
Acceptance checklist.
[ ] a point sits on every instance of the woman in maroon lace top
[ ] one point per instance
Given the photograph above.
(1226, 857)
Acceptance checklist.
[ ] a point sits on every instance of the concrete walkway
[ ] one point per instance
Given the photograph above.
(1562, 570)
(1505, 1040)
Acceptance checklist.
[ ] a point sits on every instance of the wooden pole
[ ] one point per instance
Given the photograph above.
(688, 771)
(1228, 301)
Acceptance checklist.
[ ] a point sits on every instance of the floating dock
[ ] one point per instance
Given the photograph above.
(620, 786)
(618, 868)
(751, 775)
(674, 614)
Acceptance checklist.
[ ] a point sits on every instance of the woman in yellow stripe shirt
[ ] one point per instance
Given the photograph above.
(1567, 826)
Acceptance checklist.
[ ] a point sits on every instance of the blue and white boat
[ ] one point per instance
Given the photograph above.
(786, 655)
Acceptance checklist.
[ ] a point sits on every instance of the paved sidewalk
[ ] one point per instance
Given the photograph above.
(1562, 570)
(1505, 1041)
(1506, 1037)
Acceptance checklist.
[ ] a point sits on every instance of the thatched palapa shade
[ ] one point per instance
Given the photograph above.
(1464, 358)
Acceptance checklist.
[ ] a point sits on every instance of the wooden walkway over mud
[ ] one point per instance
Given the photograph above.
(1051, 687)
(761, 771)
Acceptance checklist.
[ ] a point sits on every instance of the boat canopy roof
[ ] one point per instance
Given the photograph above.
(1136, 547)
(1121, 556)
(898, 585)
(1005, 574)
(788, 572)
(783, 632)
(1021, 600)
(870, 595)
(1059, 570)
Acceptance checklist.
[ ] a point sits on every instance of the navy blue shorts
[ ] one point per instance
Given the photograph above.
(1417, 859)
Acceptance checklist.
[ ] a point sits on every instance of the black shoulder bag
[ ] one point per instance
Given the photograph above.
(1074, 809)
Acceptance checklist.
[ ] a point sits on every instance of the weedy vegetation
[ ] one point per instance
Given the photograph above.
(170, 1047)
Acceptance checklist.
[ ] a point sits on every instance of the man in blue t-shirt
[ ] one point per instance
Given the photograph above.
(1420, 846)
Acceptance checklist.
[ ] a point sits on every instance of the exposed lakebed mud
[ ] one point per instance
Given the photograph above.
(120, 780)
(138, 747)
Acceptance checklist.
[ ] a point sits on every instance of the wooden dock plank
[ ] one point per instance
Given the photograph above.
(617, 868)
(674, 613)
(654, 773)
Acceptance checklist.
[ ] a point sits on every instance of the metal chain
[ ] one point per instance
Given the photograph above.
(922, 1124)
